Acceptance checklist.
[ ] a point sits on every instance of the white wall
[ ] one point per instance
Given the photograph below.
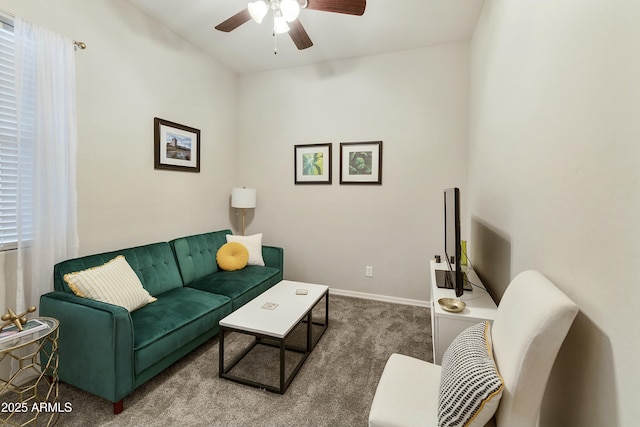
(132, 71)
(416, 102)
(554, 155)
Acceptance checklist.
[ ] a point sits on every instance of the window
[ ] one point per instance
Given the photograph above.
(10, 183)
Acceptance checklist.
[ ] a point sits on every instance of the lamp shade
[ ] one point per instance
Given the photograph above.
(257, 10)
(243, 198)
(279, 23)
(290, 9)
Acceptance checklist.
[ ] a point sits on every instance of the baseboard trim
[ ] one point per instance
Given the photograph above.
(376, 297)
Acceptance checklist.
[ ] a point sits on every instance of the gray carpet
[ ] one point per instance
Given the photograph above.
(335, 386)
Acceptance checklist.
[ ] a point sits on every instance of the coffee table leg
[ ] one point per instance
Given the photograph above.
(326, 310)
(221, 348)
(282, 348)
(309, 332)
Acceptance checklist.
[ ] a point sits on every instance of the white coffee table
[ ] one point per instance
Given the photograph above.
(271, 324)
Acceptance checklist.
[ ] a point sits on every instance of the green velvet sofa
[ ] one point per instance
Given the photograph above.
(109, 352)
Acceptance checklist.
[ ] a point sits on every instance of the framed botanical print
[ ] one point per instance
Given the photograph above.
(361, 163)
(312, 164)
(177, 147)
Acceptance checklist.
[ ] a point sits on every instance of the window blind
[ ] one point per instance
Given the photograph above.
(15, 186)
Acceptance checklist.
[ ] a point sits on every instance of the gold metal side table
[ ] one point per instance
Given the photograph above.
(30, 390)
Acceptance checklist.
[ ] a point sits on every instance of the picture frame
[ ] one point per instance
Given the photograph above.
(176, 146)
(312, 163)
(361, 163)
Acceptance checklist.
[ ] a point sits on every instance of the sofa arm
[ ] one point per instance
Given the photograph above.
(95, 346)
(273, 257)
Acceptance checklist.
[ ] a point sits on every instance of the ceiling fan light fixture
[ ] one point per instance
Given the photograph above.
(279, 23)
(284, 11)
(290, 9)
(258, 10)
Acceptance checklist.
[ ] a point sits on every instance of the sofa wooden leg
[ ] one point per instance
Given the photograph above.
(118, 407)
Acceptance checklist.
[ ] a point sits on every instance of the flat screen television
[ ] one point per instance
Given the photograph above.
(452, 241)
(455, 278)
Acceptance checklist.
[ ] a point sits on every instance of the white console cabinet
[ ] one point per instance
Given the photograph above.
(446, 325)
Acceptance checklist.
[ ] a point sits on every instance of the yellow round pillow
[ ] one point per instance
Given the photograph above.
(232, 256)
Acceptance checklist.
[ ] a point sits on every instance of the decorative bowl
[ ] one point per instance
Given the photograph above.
(454, 305)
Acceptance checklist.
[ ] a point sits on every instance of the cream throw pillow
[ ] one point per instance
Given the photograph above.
(253, 244)
(471, 386)
(114, 282)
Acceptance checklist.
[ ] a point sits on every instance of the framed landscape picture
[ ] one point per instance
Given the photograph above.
(361, 163)
(177, 147)
(312, 164)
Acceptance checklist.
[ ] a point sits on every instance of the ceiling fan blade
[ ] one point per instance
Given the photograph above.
(299, 35)
(350, 7)
(235, 21)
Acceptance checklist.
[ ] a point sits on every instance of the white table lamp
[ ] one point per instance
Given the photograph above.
(243, 198)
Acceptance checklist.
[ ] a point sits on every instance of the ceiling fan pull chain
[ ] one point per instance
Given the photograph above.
(275, 43)
(275, 35)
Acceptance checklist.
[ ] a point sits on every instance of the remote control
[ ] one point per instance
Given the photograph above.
(301, 291)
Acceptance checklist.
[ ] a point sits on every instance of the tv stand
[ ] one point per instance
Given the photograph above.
(447, 283)
(445, 326)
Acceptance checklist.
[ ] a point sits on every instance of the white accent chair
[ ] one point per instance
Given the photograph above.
(532, 321)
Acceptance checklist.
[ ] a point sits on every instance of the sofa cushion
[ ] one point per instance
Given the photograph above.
(196, 255)
(232, 256)
(253, 244)
(113, 282)
(154, 264)
(471, 387)
(175, 319)
(242, 285)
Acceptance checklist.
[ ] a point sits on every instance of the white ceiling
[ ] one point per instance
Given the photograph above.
(386, 26)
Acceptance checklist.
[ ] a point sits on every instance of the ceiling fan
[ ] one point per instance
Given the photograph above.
(285, 15)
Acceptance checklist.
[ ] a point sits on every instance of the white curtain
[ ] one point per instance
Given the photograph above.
(47, 141)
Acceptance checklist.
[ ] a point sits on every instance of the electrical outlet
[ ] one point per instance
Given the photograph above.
(368, 271)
